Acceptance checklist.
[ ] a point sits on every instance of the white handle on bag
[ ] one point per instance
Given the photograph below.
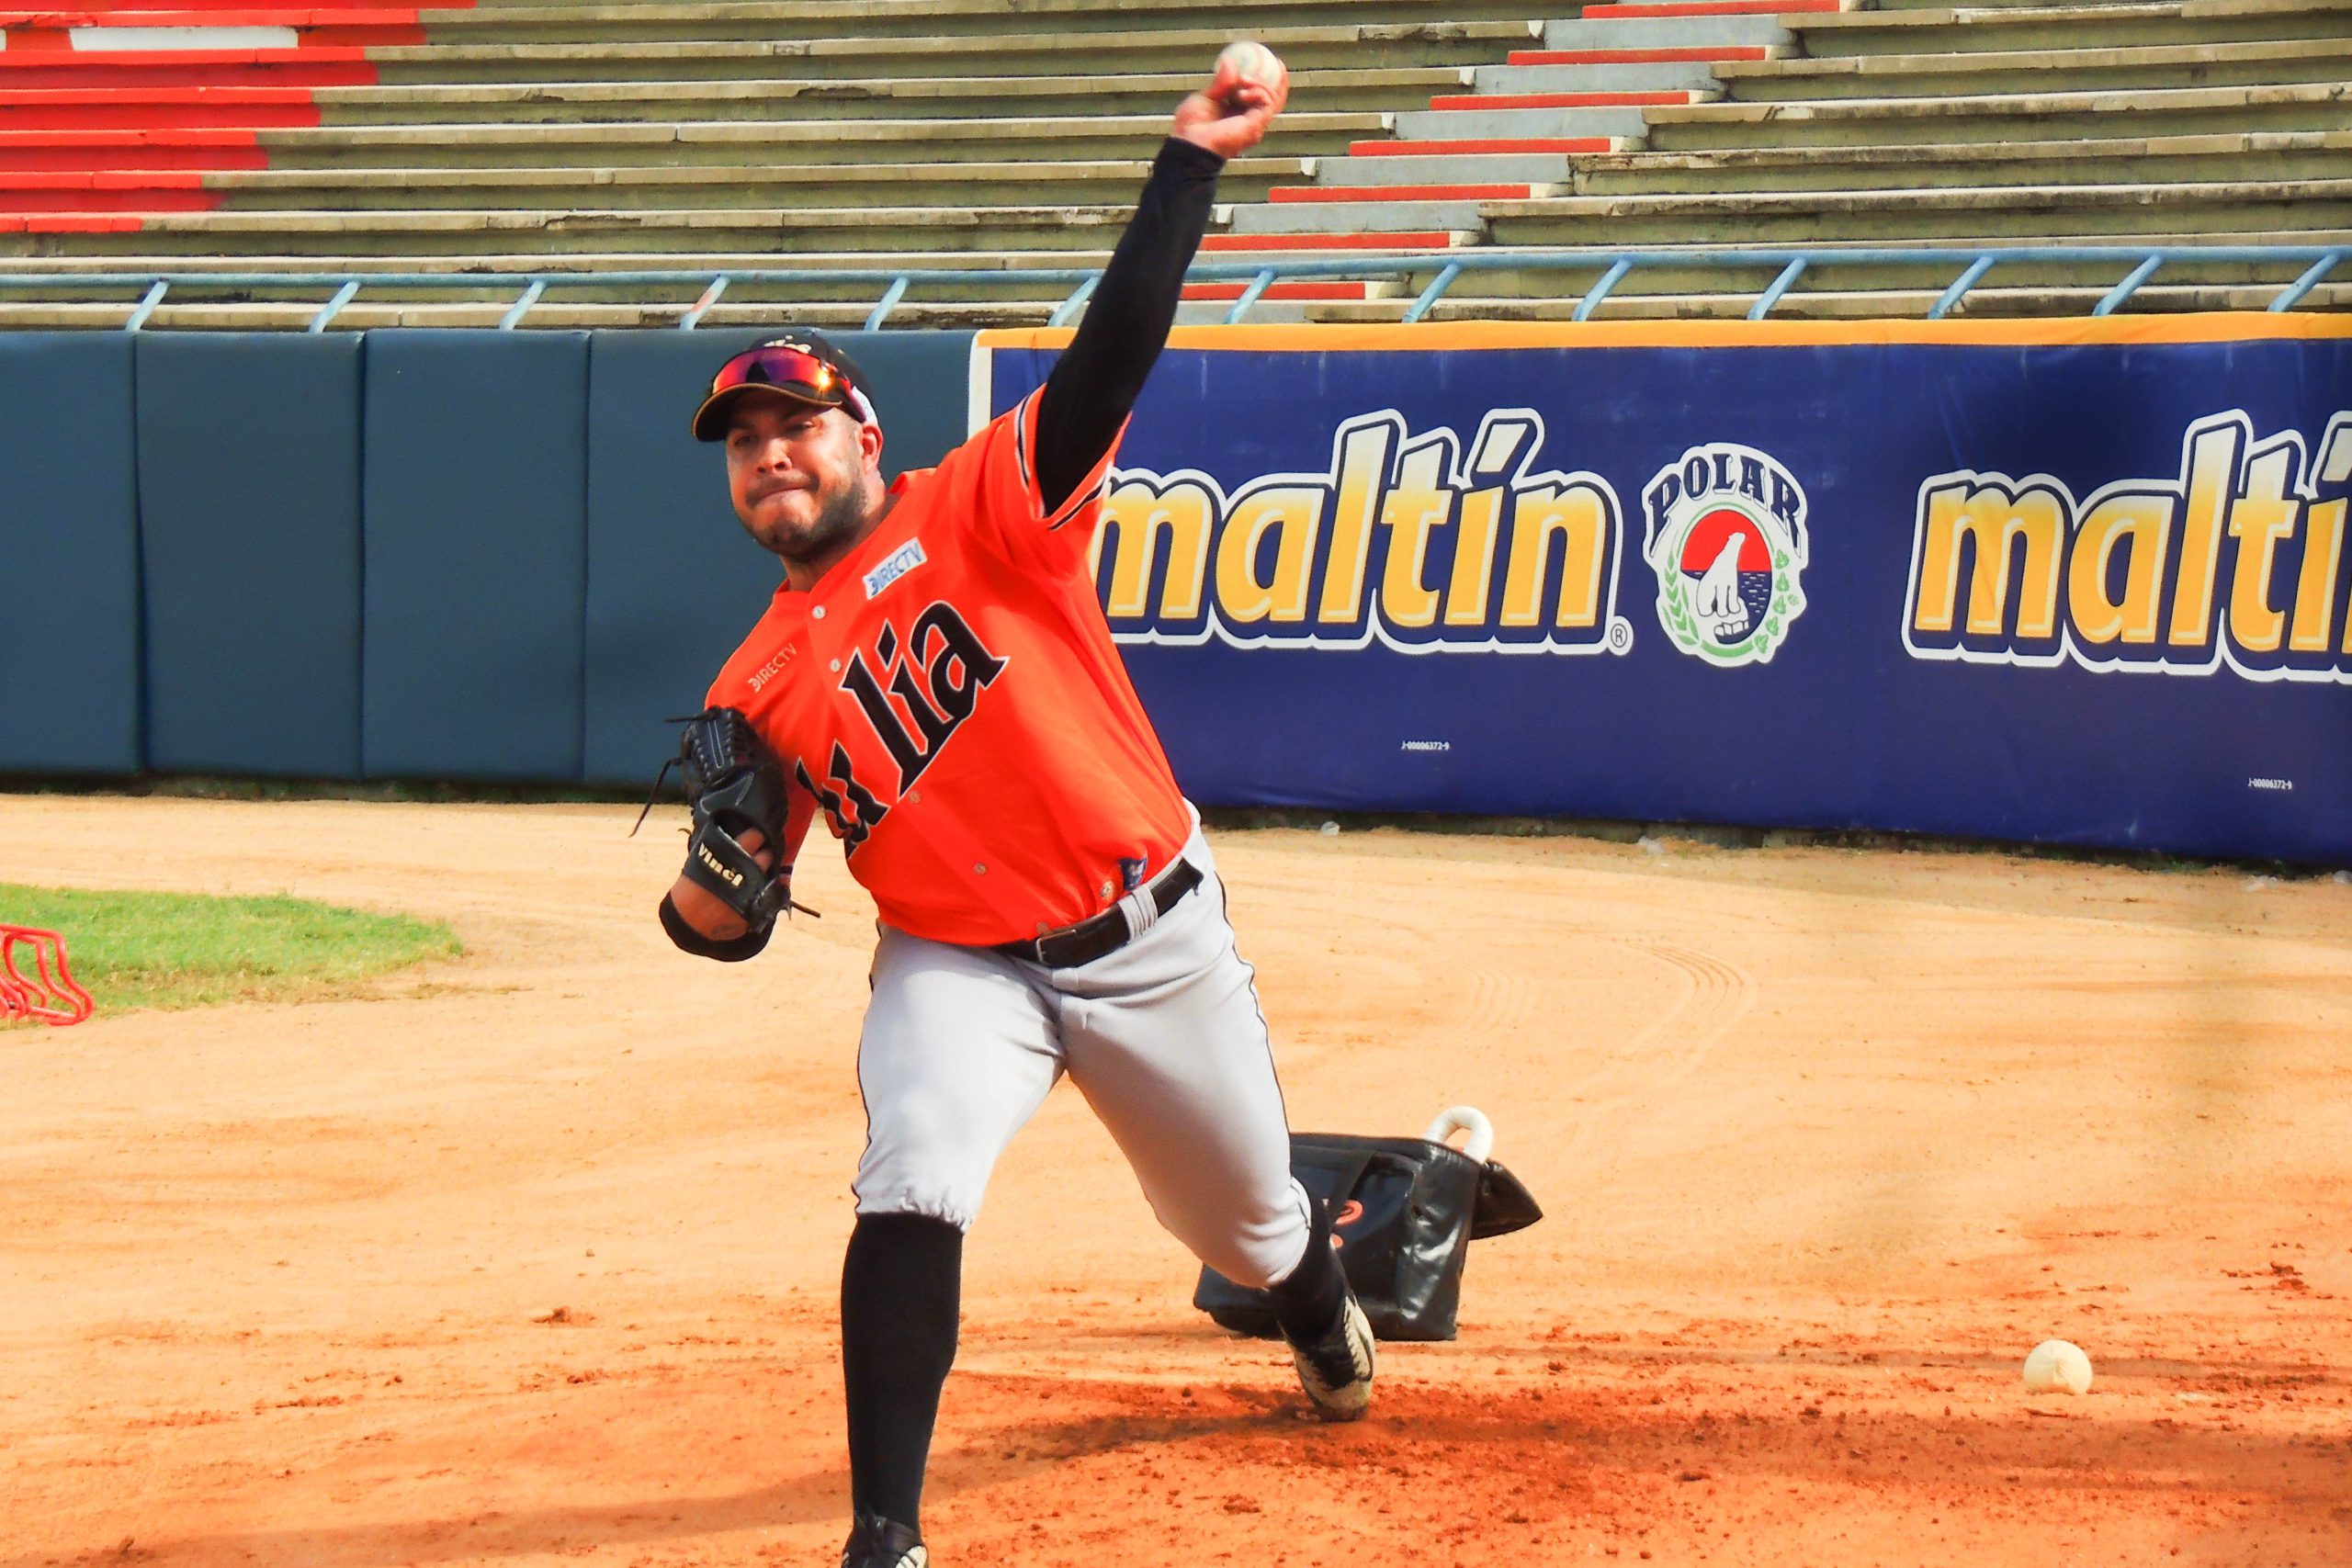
(1464, 1119)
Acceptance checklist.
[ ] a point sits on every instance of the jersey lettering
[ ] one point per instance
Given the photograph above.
(954, 666)
(853, 817)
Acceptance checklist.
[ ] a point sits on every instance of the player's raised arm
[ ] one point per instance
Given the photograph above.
(1094, 386)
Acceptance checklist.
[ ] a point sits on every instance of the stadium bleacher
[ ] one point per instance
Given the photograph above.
(866, 139)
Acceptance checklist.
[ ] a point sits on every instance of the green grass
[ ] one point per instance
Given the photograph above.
(186, 950)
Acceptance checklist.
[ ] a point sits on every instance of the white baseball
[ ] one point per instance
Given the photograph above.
(2055, 1364)
(1253, 61)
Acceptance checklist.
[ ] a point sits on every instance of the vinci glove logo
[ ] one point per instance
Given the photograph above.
(1727, 541)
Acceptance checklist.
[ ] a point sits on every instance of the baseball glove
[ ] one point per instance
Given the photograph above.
(735, 785)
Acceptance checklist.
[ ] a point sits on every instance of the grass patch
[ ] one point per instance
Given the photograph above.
(187, 950)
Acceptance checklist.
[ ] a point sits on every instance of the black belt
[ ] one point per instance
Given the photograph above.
(1105, 933)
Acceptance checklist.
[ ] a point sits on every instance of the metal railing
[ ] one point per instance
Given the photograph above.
(1966, 266)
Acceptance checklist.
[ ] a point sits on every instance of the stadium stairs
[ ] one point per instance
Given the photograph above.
(872, 136)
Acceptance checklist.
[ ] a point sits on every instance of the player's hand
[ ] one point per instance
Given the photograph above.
(704, 910)
(1231, 116)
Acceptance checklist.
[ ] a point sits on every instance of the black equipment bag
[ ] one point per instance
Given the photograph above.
(1404, 1211)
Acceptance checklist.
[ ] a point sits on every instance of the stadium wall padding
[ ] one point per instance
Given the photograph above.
(69, 556)
(2072, 581)
(248, 468)
(475, 497)
(500, 557)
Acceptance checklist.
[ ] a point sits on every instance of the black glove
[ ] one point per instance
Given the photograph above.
(735, 785)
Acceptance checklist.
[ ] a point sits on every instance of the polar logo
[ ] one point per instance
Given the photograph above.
(1726, 540)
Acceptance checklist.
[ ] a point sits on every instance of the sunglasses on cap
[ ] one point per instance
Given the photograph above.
(784, 368)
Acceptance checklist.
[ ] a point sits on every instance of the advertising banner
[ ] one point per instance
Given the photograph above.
(2076, 582)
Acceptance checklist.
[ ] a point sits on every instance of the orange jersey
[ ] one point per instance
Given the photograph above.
(949, 696)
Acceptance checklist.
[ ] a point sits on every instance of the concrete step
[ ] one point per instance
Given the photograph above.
(653, 19)
(1189, 51)
(1687, 75)
(1831, 273)
(1869, 304)
(1368, 90)
(782, 232)
(505, 272)
(1982, 5)
(2275, 155)
(1247, 246)
(802, 144)
(2022, 214)
(2327, 60)
(2178, 22)
(1601, 27)
(1455, 125)
(1321, 196)
(1366, 215)
(1539, 168)
(2089, 115)
(1022, 184)
(365, 315)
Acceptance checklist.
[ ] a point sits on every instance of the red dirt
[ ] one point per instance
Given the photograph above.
(530, 1257)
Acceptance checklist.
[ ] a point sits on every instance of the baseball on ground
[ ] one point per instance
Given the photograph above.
(2055, 1364)
(1253, 61)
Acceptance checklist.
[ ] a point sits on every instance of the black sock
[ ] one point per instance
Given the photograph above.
(1307, 1301)
(901, 1284)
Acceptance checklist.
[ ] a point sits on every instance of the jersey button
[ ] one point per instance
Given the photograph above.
(836, 666)
(818, 614)
(980, 870)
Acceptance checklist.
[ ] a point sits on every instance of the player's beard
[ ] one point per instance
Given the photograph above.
(840, 521)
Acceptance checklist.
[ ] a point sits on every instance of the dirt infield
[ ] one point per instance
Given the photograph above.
(531, 1257)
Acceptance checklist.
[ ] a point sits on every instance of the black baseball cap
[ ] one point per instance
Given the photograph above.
(805, 366)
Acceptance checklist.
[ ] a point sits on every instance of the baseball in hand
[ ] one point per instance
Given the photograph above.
(2055, 1364)
(1247, 60)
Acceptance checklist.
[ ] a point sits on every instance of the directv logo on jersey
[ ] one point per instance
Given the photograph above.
(1727, 538)
(895, 565)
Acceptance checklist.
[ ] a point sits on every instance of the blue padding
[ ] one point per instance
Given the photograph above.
(249, 518)
(476, 537)
(672, 582)
(69, 556)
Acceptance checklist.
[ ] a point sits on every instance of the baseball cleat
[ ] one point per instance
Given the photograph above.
(877, 1542)
(1336, 1370)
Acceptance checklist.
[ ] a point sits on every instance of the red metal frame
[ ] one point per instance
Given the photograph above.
(48, 992)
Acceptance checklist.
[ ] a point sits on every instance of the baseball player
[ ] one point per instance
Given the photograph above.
(935, 677)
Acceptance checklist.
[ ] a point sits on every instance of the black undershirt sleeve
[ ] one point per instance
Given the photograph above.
(1095, 383)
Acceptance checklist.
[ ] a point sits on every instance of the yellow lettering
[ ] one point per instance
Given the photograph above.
(1363, 473)
(1138, 517)
(1467, 590)
(1419, 503)
(2315, 585)
(2258, 520)
(1295, 516)
(2141, 525)
(1580, 517)
(2212, 475)
(1993, 523)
